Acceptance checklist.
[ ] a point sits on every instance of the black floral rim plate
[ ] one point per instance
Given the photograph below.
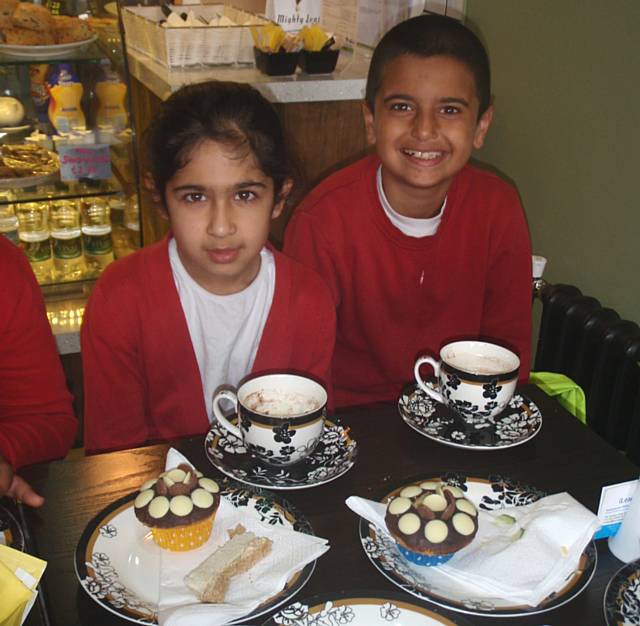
(492, 493)
(361, 608)
(101, 545)
(335, 454)
(622, 596)
(10, 531)
(517, 424)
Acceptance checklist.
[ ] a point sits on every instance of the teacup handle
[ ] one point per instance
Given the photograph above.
(222, 420)
(430, 391)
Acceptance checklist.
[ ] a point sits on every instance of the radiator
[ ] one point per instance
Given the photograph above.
(601, 352)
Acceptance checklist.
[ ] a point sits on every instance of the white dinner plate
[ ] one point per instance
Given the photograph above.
(118, 563)
(41, 52)
(493, 493)
(364, 609)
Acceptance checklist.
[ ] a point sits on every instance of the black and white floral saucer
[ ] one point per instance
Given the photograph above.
(334, 455)
(622, 597)
(518, 423)
(10, 532)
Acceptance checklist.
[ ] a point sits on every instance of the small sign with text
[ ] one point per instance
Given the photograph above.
(85, 161)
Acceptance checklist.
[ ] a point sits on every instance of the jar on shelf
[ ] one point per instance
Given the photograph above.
(66, 239)
(35, 239)
(96, 234)
(8, 219)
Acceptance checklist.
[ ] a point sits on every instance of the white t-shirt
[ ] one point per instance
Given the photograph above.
(225, 330)
(411, 226)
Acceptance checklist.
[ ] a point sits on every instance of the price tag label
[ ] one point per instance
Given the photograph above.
(615, 501)
(85, 161)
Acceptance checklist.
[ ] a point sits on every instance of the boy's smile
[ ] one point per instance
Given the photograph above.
(220, 206)
(424, 127)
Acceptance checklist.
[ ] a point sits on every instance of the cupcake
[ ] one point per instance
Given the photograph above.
(431, 521)
(179, 507)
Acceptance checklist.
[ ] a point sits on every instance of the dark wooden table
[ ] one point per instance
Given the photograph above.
(564, 456)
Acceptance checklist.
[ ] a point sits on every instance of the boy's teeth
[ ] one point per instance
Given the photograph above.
(422, 155)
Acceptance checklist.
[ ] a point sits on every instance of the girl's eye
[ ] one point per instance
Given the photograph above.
(245, 195)
(193, 196)
(449, 109)
(400, 106)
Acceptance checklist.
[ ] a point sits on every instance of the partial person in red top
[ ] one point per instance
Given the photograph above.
(37, 423)
(212, 302)
(418, 248)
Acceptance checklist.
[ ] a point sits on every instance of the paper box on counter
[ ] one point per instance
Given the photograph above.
(147, 30)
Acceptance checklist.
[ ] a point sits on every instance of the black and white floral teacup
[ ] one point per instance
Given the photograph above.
(476, 378)
(281, 416)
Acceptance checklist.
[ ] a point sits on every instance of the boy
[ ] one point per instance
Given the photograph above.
(417, 247)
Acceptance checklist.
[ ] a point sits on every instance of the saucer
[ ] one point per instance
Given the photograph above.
(622, 596)
(518, 423)
(431, 584)
(334, 455)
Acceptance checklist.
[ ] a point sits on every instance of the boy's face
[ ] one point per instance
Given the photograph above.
(424, 128)
(220, 206)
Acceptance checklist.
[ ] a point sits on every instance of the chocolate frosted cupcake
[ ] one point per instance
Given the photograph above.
(179, 506)
(431, 521)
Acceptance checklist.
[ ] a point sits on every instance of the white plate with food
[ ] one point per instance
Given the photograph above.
(118, 563)
(364, 609)
(42, 52)
(492, 493)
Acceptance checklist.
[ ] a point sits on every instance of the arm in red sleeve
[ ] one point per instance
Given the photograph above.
(114, 387)
(36, 416)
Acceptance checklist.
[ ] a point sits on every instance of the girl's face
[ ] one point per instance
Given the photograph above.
(220, 207)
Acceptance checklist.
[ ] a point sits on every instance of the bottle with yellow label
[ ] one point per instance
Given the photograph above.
(111, 93)
(65, 110)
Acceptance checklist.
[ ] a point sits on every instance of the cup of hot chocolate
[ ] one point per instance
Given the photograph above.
(475, 378)
(280, 416)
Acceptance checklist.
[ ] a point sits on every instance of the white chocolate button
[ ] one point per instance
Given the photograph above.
(466, 507)
(436, 531)
(143, 498)
(455, 491)
(158, 507)
(187, 478)
(435, 502)
(409, 524)
(176, 475)
(209, 485)
(398, 506)
(199, 474)
(202, 498)
(181, 505)
(463, 523)
(411, 491)
(150, 483)
(429, 485)
(167, 480)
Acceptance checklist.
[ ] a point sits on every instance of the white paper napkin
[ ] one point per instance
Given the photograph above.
(290, 552)
(501, 561)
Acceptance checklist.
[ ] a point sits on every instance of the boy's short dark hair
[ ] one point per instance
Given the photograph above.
(427, 36)
(230, 113)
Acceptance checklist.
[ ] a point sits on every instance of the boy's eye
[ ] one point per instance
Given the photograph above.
(193, 196)
(400, 106)
(450, 109)
(245, 195)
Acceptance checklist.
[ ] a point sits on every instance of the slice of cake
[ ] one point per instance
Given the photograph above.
(210, 580)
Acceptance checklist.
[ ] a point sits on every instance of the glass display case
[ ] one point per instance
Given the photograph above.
(68, 180)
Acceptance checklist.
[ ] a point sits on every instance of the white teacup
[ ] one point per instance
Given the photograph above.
(476, 378)
(281, 416)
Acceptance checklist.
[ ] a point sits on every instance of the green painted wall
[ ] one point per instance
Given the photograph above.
(566, 79)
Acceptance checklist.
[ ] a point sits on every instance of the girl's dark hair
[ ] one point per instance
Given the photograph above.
(230, 113)
(427, 36)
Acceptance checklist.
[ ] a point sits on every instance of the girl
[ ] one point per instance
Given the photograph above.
(212, 302)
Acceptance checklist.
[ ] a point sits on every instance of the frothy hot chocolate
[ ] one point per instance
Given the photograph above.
(280, 403)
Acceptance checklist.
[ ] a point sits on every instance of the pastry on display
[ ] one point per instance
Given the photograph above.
(430, 521)
(179, 507)
(26, 160)
(28, 24)
(210, 580)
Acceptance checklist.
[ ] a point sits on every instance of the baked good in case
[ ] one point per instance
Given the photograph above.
(32, 16)
(431, 521)
(67, 29)
(179, 507)
(6, 10)
(24, 37)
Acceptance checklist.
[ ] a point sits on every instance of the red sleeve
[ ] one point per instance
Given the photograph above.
(507, 307)
(36, 416)
(114, 388)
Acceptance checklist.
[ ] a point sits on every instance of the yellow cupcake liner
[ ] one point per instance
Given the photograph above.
(183, 538)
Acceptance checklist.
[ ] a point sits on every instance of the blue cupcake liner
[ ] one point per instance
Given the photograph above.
(426, 560)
